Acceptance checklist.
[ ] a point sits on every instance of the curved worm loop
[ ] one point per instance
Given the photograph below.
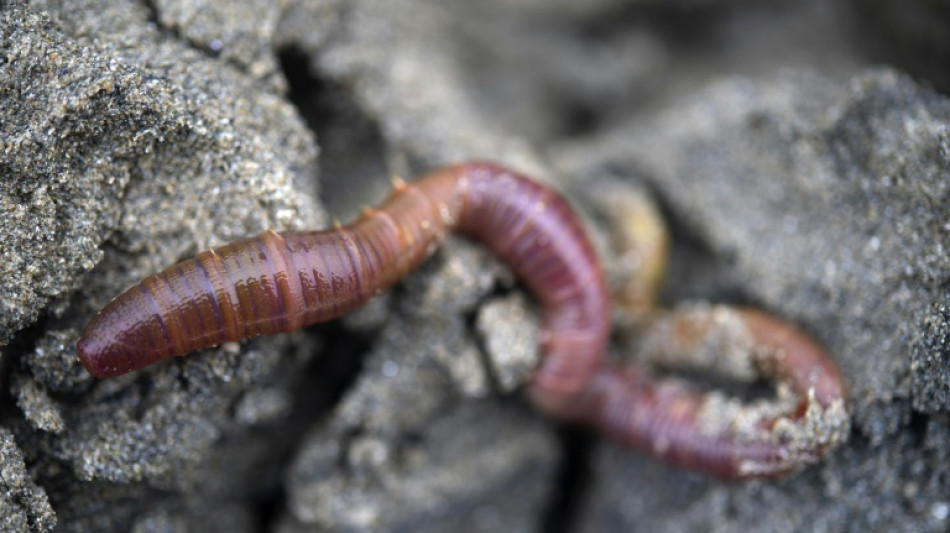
(724, 437)
(278, 282)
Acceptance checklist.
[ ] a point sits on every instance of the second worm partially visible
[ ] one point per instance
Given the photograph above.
(279, 282)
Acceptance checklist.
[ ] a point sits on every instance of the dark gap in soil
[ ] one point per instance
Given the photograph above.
(316, 390)
(23, 341)
(573, 483)
(911, 40)
(580, 119)
(152, 13)
(917, 427)
(353, 169)
(482, 345)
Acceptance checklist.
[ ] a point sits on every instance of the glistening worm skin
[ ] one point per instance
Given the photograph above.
(278, 282)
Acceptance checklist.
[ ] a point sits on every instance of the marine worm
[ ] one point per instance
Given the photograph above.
(278, 282)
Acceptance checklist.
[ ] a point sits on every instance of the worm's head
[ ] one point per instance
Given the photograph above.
(102, 357)
(124, 336)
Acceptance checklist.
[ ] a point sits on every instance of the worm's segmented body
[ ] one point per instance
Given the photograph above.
(278, 282)
(709, 431)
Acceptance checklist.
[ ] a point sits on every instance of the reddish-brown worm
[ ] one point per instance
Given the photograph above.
(709, 431)
(278, 282)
